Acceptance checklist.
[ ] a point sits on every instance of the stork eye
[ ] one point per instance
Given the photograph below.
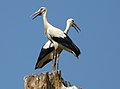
(41, 9)
(72, 20)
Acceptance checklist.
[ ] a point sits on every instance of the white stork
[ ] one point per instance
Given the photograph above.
(46, 54)
(56, 36)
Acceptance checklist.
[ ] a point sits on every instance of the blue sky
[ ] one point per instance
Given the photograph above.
(99, 40)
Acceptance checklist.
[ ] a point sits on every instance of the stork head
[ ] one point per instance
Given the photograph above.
(72, 23)
(39, 12)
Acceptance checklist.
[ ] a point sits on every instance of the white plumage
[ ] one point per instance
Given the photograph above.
(49, 46)
(56, 36)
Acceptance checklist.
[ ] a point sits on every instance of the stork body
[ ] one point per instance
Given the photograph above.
(47, 51)
(57, 36)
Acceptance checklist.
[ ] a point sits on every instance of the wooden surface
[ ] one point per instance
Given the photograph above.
(47, 81)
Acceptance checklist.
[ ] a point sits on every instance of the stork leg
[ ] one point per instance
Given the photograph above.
(53, 65)
(57, 65)
(57, 62)
(54, 62)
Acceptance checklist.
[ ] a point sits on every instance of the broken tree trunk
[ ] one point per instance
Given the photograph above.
(47, 81)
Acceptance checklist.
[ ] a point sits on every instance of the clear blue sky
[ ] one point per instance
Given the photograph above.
(21, 39)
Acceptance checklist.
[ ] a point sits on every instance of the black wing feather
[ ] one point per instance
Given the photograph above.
(43, 53)
(67, 42)
(47, 61)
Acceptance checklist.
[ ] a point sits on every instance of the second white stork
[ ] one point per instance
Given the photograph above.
(56, 36)
(46, 53)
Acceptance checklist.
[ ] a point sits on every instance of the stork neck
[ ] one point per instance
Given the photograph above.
(67, 28)
(45, 22)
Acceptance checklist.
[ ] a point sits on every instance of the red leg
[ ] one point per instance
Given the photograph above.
(54, 62)
(57, 62)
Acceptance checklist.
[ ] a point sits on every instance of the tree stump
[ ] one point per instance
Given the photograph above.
(47, 81)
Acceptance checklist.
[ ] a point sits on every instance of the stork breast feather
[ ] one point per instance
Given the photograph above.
(56, 33)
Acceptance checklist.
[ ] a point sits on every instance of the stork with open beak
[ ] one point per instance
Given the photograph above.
(46, 53)
(56, 36)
